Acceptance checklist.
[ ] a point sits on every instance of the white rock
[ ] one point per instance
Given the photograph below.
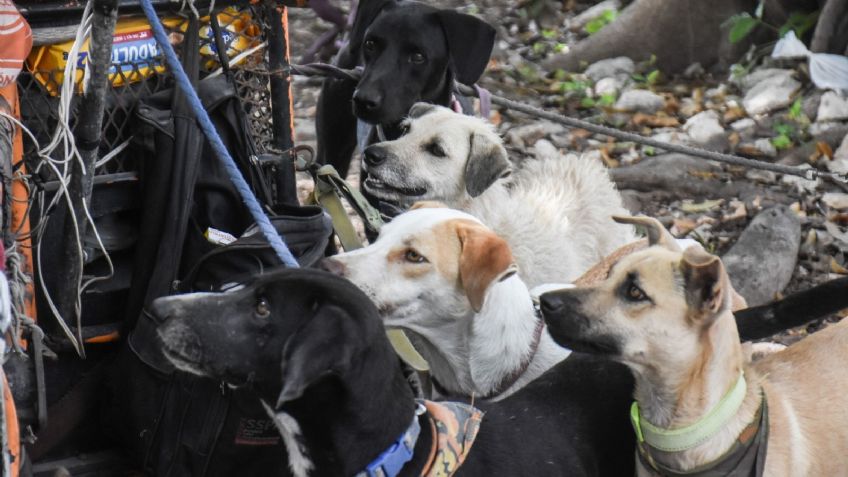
(760, 175)
(743, 125)
(610, 85)
(545, 149)
(640, 100)
(610, 67)
(801, 184)
(772, 93)
(839, 164)
(704, 128)
(766, 147)
(836, 200)
(833, 107)
(673, 137)
(594, 12)
(818, 128)
(530, 133)
(750, 80)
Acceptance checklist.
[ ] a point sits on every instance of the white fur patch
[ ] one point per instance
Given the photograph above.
(299, 462)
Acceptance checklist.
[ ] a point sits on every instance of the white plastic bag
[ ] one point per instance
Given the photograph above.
(827, 71)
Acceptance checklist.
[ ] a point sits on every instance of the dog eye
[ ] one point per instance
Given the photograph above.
(369, 45)
(263, 308)
(417, 58)
(436, 149)
(634, 293)
(414, 257)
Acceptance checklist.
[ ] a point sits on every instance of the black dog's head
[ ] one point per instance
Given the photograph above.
(412, 52)
(310, 322)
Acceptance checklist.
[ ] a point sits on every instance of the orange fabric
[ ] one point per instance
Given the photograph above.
(455, 427)
(12, 430)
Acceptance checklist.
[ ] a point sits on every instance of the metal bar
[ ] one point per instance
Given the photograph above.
(281, 95)
(87, 134)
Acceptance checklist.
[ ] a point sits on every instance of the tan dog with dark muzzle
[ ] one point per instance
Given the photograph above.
(702, 408)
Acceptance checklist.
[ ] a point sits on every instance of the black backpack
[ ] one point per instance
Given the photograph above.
(177, 424)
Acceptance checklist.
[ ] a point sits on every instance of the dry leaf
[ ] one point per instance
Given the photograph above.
(734, 113)
(681, 227)
(835, 267)
(689, 206)
(739, 211)
(654, 121)
(824, 149)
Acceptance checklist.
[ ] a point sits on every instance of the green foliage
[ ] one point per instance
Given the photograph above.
(782, 141)
(799, 22)
(560, 74)
(796, 111)
(606, 99)
(741, 26)
(649, 150)
(549, 34)
(560, 47)
(538, 48)
(784, 129)
(574, 85)
(595, 25)
(653, 77)
(587, 102)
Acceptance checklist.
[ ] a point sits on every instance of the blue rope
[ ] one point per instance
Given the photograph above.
(215, 141)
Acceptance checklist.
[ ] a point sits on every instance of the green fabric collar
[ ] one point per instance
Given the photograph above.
(675, 440)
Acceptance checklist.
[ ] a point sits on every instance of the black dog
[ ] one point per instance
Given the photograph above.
(313, 348)
(410, 52)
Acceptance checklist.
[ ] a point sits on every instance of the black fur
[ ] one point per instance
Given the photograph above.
(323, 357)
(386, 36)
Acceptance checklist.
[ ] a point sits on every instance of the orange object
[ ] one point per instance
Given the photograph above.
(13, 432)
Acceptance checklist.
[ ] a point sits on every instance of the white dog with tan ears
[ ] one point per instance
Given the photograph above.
(554, 211)
(451, 284)
(702, 407)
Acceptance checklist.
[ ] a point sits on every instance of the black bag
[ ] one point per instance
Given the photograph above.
(177, 424)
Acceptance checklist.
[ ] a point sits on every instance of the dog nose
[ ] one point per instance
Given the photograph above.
(333, 266)
(375, 155)
(366, 101)
(550, 303)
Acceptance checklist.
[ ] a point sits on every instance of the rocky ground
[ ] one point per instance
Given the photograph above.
(777, 234)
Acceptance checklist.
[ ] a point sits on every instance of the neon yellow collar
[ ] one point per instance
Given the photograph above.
(675, 440)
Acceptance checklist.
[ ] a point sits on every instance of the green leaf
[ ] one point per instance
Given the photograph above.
(560, 74)
(587, 102)
(796, 111)
(740, 26)
(784, 129)
(649, 150)
(595, 25)
(560, 47)
(781, 142)
(606, 99)
(653, 77)
(549, 34)
(538, 47)
(800, 22)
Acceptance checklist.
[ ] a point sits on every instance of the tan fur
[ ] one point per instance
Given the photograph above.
(684, 349)
(485, 257)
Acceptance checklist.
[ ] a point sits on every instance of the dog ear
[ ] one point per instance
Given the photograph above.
(657, 234)
(470, 42)
(484, 259)
(487, 162)
(428, 204)
(706, 282)
(315, 351)
(420, 109)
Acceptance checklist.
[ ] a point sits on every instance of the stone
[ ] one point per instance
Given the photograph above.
(609, 85)
(528, 134)
(833, 107)
(810, 104)
(771, 93)
(704, 128)
(759, 175)
(761, 148)
(801, 184)
(835, 200)
(545, 149)
(695, 70)
(743, 125)
(621, 66)
(761, 262)
(640, 100)
(839, 164)
(750, 80)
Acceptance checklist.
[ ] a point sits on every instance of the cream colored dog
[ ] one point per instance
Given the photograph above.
(701, 402)
(450, 283)
(554, 212)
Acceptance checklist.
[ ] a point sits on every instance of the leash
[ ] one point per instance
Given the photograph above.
(322, 69)
(247, 196)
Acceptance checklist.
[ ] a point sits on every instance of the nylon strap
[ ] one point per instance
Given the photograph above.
(676, 440)
(328, 188)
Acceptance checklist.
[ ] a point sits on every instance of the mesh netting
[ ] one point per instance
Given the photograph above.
(242, 31)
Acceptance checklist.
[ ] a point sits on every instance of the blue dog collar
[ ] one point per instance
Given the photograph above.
(392, 460)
